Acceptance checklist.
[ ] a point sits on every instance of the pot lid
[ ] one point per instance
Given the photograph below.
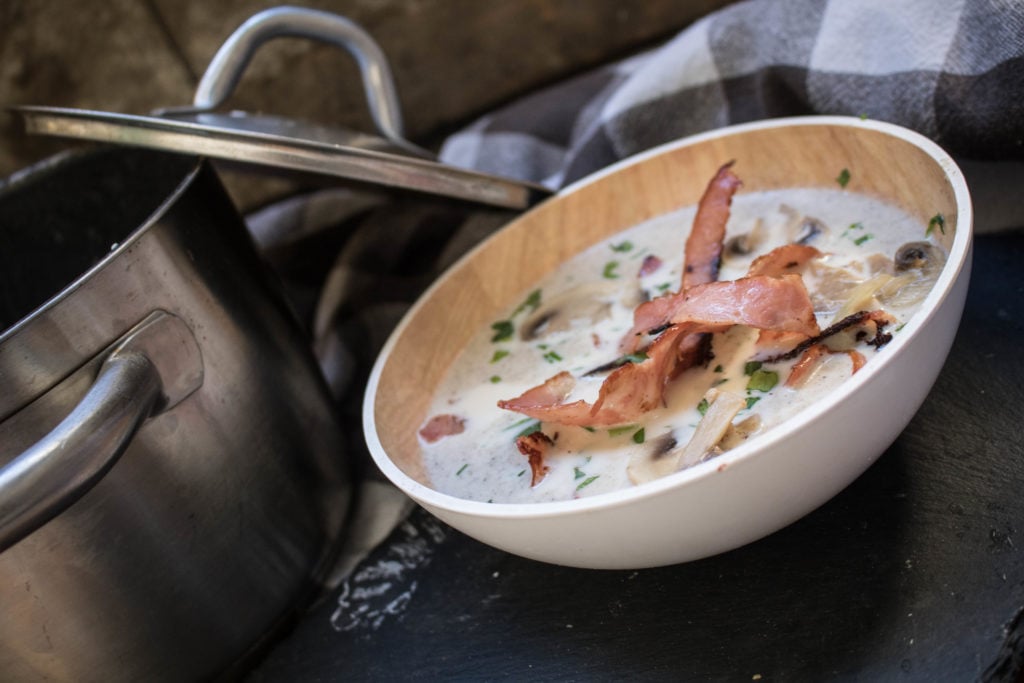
(280, 143)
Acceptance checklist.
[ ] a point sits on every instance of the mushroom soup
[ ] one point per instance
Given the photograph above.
(612, 372)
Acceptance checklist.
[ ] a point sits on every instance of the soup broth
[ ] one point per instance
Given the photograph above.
(575, 320)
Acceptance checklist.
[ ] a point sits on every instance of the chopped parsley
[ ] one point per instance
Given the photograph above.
(494, 379)
(638, 436)
(843, 178)
(577, 473)
(937, 221)
(552, 357)
(589, 429)
(623, 246)
(762, 380)
(462, 469)
(751, 400)
(587, 482)
(518, 423)
(719, 368)
(862, 239)
(498, 355)
(609, 270)
(663, 286)
(531, 302)
(534, 426)
(702, 406)
(750, 367)
(503, 330)
(619, 431)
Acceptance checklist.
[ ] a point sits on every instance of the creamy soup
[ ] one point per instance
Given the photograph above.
(575, 321)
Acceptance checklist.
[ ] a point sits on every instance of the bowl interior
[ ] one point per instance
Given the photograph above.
(882, 161)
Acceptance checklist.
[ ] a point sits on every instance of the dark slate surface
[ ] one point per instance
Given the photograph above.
(912, 573)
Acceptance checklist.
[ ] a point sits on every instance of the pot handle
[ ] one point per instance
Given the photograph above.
(225, 70)
(153, 367)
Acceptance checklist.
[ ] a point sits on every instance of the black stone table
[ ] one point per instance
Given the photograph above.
(913, 573)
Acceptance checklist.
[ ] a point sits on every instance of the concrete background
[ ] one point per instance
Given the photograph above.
(452, 59)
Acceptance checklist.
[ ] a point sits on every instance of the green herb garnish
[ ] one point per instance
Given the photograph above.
(462, 469)
(552, 357)
(498, 355)
(638, 436)
(577, 473)
(494, 379)
(609, 270)
(663, 286)
(843, 178)
(622, 247)
(762, 380)
(619, 431)
(719, 368)
(937, 221)
(702, 406)
(750, 367)
(862, 239)
(530, 429)
(531, 302)
(587, 482)
(751, 400)
(518, 423)
(589, 429)
(503, 330)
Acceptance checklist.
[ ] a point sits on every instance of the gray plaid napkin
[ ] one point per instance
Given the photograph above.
(950, 69)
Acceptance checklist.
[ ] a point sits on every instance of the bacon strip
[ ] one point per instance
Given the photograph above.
(535, 446)
(635, 388)
(702, 257)
(789, 258)
(770, 303)
(802, 368)
(440, 426)
(704, 244)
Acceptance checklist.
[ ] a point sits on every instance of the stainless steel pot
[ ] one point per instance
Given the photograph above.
(173, 479)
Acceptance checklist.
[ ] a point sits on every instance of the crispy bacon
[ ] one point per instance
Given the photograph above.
(768, 303)
(802, 368)
(704, 244)
(440, 426)
(703, 256)
(535, 446)
(789, 258)
(876, 321)
(635, 388)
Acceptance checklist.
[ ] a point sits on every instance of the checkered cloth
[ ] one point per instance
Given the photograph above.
(950, 69)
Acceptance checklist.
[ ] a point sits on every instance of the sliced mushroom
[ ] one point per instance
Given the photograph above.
(923, 256)
(591, 302)
(717, 419)
(800, 228)
(748, 242)
(918, 265)
(809, 229)
(737, 433)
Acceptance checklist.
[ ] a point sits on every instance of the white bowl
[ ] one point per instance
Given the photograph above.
(754, 489)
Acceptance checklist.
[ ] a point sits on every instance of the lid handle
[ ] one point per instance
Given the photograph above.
(225, 70)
